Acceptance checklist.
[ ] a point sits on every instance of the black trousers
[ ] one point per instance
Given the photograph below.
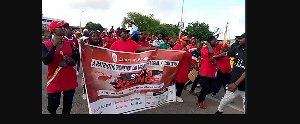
(54, 101)
(208, 85)
(179, 88)
(222, 80)
(197, 80)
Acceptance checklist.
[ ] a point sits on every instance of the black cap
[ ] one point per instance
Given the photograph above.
(123, 30)
(243, 36)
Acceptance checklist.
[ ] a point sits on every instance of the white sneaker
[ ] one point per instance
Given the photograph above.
(179, 99)
(77, 73)
(84, 96)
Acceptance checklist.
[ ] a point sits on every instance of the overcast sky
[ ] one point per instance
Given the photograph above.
(111, 12)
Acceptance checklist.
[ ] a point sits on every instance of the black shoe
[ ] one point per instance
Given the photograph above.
(218, 113)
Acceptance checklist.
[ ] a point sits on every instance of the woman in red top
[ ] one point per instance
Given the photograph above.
(109, 40)
(223, 74)
(207, 71)
(143, 41)
(128, 45)
(73, 40)
(183, 67)
(60, 58)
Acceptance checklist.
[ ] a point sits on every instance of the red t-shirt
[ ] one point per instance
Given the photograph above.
(109, 41)
(183, 67)
(224, 64)
(207, 69)
(73, 41)
(144, 44)
(126, 46)
(60, 78)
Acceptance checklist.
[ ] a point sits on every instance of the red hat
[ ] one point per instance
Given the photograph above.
(170, 38)
(192, 38)
(86, 31)
(56, 24)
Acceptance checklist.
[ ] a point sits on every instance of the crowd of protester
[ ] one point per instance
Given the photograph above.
(217, 65)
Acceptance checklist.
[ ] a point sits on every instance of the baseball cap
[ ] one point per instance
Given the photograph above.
(243, 36)
(77, 32)
(86, 30)
(136, 32)
(56, 24)
(123, 30)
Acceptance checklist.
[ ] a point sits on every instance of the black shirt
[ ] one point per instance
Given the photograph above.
(239, 66)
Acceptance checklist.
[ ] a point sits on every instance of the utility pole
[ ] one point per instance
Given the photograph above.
(181, 17)
(224, 41)
(80, 21)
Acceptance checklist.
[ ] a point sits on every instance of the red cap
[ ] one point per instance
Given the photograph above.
(192, 38)
(170, 38)
(56, 24)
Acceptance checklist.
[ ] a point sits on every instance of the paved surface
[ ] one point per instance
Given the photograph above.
(188, 107)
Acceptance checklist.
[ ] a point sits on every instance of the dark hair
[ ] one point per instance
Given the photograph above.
(210, 38)
(95, 43)
(135, 38)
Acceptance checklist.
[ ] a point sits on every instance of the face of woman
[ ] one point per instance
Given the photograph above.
(95, 37)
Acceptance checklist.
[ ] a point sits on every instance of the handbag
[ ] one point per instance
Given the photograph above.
(192, 71)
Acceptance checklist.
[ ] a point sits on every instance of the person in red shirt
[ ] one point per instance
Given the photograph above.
(109, 40)
(60, 57)
(183, 67)
(70, 38)
(128, 45)
(223, 74)
(207, 71)
(143, 41)
(112, 29)
(193, 43)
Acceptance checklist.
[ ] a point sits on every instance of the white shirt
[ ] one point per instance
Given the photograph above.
(156, 43)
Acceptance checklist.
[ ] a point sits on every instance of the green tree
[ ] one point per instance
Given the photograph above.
(198, 30)
(94, 26)
(143, 22)
(166, 30)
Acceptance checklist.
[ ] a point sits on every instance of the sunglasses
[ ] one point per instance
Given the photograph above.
(63, 28)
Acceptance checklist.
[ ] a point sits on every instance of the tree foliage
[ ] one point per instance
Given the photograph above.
(94, 26)
(198, 30)
(147, 23)
(143, 22)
